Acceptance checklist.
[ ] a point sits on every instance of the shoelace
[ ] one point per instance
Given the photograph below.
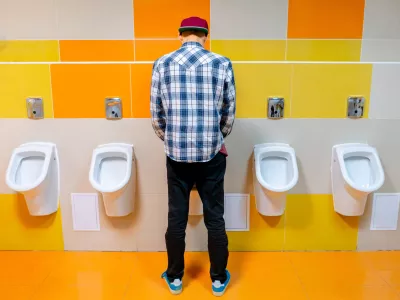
(217, 284)
(176, 282)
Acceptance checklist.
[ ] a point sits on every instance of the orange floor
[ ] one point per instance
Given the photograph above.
(94, 275)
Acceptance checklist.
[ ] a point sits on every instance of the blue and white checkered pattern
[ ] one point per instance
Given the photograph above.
(192, 102)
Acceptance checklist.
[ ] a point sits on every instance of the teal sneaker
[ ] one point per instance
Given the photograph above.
(219, 288)
(175, 287)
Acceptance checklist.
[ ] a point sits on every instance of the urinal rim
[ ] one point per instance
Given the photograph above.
(47, 150)
(285, 148)
(115, 147)
(345, 149)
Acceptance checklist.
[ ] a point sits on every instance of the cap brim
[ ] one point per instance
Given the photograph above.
(202, 29)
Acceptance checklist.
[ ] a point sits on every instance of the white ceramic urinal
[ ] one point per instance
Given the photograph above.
(275, 173)
(356, 172)
(113, 174)
(34, 172)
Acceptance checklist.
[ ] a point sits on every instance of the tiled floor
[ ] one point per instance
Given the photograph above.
(278, 276)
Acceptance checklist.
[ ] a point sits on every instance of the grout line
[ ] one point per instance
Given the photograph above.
(51, 93)
(286, 50)
(287, 30)
(234, 62)
(363, 29)
(134, 50)
(291, 91)
(130, 87)
(59, 51)
(156, 39)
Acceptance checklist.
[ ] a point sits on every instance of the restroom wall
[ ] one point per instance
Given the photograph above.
(313, 53)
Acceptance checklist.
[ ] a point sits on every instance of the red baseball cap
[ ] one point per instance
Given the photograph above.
(194, 23)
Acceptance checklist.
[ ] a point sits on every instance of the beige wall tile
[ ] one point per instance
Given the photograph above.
(385, 91)
(380, 50)
(382, 19)
(95, 19)
(144, 230)
(370, 240)
(254, 19)
(25, 19)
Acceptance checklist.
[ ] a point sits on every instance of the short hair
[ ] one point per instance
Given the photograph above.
(197, 33)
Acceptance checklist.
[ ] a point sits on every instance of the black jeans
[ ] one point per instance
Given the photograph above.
(209, 180)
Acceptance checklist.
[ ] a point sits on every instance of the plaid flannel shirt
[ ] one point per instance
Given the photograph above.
(192, 102)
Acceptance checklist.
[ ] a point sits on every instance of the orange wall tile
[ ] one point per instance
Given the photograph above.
(161, 19)
(141, 81)
(79, 90)
(96, 50)
(153, 49)
(339, 19)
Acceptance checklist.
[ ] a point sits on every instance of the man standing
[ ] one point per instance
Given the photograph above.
(193, 110)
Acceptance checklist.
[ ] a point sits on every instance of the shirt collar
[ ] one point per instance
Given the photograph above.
(192, 45)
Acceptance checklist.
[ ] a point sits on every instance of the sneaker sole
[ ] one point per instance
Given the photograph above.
(173, 292)
(220, 294)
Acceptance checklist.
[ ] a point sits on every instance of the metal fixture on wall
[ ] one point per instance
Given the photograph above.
(113, 108)
(34, 108)
(275, 107)
(355, 107)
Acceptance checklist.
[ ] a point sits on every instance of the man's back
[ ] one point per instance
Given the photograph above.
(193, 109)
(192, 102)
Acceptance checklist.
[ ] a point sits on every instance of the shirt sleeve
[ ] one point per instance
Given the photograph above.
(158, 117)
(229, 102)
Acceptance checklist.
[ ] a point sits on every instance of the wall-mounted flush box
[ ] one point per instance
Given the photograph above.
(275, 107)
(113, 108)
(34, 107)
(355, 107)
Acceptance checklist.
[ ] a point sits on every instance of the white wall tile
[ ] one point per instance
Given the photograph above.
(252, 19)
(95, 19)
(28, 20)
(369, 240)
(380, 50)
(385, 91)
(382, 19)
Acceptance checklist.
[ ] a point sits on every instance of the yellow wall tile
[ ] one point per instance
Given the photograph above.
(312, 224)
(256, 82)
(18, 82)
(324, 50)
(321, 90)
(266, 233)
(29, 51)
(21, 231)
(250, 49)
